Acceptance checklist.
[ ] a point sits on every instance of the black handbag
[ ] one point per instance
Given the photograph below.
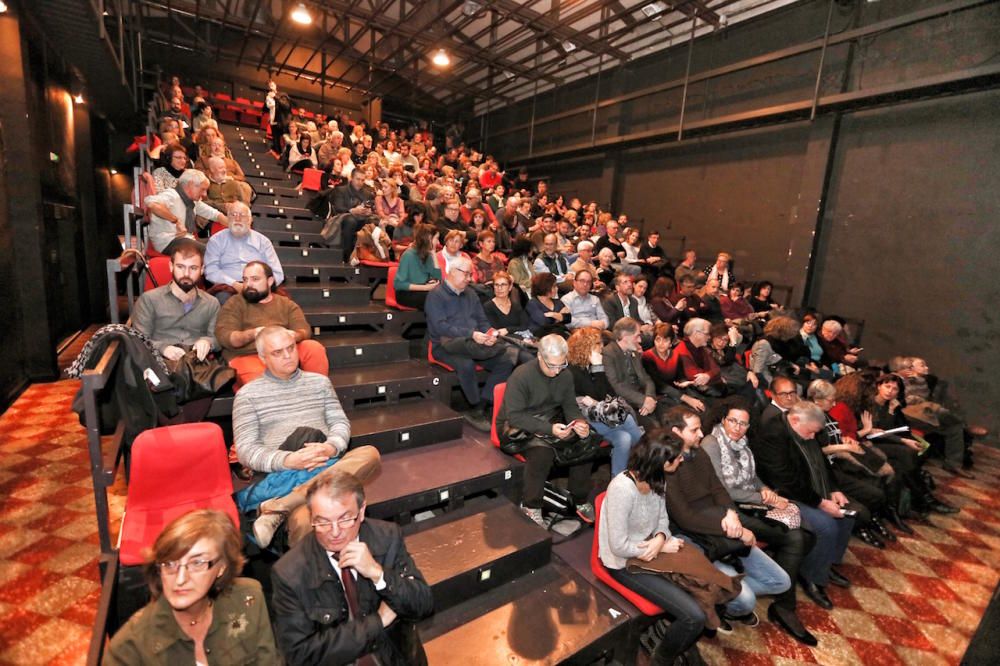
(194, 379)
(718, 547)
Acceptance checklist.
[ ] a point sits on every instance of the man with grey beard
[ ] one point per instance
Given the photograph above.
(231, 249)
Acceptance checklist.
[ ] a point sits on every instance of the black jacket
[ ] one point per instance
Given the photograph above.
(613, 306)
(346, 197)
(311, 618)
(783, 466)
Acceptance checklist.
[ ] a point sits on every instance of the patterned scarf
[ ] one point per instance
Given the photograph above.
(738, 467)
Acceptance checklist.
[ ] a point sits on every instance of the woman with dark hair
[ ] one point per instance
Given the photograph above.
(486, 262)
(200, 607)
(905, 453)
(301, 154)
(728, 448)
(634, 524)
(504, 312)
(760, 297)
(586, 362)
(660, 303)
(661, 363)
(418, 271)
(520, 266)
(547, 312)
(174, 159)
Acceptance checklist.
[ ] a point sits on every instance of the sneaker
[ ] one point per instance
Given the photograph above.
(586, 512)
(724, 626)
(534, 514)
(474, 417)
(748, 620)
(265, 526)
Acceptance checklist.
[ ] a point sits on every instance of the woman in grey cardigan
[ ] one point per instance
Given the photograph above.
(634, 523)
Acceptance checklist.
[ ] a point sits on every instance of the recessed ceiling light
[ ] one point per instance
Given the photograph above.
(568, 46)
(301, 15)
(78, 98)
(654, 9)
(441, 58)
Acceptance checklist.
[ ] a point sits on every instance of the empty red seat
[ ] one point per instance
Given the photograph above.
(243, 100)
(223, 97)
(228, 115)
(643, 604)
(390, 294)
(158, 270)
(312, 180)
(174, 470)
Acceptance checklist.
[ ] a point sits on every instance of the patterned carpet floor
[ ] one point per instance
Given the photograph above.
(917, 602)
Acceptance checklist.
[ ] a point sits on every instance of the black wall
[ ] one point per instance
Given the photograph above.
(886, 214)
(52, 240)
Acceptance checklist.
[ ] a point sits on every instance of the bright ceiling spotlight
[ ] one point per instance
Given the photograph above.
(78, 98)
(3, 7)
(301, 15)
(441, 58)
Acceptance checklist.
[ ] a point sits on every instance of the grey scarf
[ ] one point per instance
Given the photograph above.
(189, 222)
(738, 467)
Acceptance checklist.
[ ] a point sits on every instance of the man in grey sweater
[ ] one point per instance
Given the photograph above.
(266, 412)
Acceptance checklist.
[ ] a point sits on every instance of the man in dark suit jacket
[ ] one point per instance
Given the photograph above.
(354, 203)
(621, 303)
(791, 462)
(349, 591)
(623, 368)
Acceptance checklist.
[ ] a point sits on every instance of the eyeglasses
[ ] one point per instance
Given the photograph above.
(327, 525)
(500, 284)
(461, 270)
(737, 423)
(193, 566)
(550, 366)
(785, 394)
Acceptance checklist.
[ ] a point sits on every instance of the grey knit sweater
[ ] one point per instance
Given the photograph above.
(627, 518)
(268, 409)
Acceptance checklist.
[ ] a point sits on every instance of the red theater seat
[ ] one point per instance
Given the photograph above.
(312, 180)
(157, 268)
(174, 470)
(390, 294)
(643, 604)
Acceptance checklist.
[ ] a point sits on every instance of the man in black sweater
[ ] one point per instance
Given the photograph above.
(354, 203)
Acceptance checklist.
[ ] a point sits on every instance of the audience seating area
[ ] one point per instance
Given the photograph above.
(518, 592)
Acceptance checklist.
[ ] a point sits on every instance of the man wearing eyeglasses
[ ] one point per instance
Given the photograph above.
(541, 399)
(349, 593)
(784, 395)
(462, 337)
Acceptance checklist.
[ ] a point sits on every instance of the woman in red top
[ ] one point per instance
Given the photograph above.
(661, 364)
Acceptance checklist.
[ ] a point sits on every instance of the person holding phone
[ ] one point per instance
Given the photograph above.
(418, 270)
(791, 462)
(540, 400)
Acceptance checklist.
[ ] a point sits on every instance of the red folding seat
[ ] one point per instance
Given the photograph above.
(390, 294)
(646, 606)
(312, 180)
(174, 470)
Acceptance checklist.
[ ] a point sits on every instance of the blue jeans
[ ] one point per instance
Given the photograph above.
(763, 578)
(832, 535)
(622, 439)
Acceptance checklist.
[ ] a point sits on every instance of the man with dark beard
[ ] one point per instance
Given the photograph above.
(242, 318)
(178, 316)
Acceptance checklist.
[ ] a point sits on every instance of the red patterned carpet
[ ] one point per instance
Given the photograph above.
(917, 602)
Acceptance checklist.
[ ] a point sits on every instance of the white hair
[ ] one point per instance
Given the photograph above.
(268, 331)
(191, 178)
(833, 326)
(807, 411)
(584, 245)
(696, 324)
(552, 345)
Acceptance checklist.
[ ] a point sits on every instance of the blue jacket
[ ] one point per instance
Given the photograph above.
(451, 315)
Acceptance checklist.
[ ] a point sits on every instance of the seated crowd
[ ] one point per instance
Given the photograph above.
(740, 433)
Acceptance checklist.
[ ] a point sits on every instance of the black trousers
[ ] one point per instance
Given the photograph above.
(786, 547)
(412, 299)
(539, 462)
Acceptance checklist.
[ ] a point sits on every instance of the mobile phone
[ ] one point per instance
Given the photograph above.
(850, 513)
(575, 422)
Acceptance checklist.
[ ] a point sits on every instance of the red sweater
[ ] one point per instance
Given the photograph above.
(694, 361)
(845, 418)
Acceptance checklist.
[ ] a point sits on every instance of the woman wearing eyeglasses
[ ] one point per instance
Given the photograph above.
(201, 612)
(729, 450)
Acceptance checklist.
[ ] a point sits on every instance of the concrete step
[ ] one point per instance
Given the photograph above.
(395, 427)
(415, 480)
(468, 555)
(547, 616)
(266, 225)
(350, 348)
(340, 294)
(383, 382)
(317, 256)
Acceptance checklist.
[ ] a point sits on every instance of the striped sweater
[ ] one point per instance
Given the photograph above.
(268, 409)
